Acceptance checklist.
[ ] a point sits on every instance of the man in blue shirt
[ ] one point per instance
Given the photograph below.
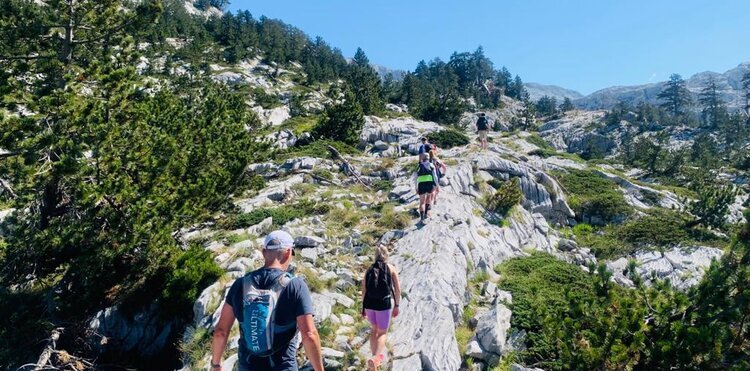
(425, 147)
(294, 314)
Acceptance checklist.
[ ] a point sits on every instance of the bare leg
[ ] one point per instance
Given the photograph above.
(374, 339)
(381, 342)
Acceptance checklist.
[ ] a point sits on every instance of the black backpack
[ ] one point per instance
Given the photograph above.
(482, 123)
(378, 283)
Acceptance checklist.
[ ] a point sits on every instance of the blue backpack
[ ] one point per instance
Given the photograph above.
(259, 312)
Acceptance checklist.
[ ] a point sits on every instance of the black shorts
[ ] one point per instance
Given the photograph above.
(425, 187)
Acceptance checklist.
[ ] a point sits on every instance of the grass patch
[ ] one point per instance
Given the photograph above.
(300, 124)
(195, 348)
(390, 219)
(313, 279)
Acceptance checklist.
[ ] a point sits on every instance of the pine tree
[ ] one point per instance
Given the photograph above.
(365, 83)
(566, 105)
(546, 106)
(746, 91)
(341, 121)
(714, 111)
(675, 96)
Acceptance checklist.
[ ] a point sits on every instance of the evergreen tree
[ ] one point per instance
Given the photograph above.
(566, 105)
(714, 111)
(341, 121)
(675, 96)
(746, 91)
(365, 83)
(546, 106)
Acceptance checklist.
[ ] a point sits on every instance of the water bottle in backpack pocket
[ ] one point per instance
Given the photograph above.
(259, 314)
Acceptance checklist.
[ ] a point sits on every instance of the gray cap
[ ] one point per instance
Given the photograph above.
(278, 240)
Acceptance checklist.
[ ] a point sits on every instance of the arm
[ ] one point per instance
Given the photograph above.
(221, 334)
(396, 290)
(310, 340)
(364, 292)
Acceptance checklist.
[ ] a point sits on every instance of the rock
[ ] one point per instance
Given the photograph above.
(346, 319)
(517, 367)
(308, 241)
(489, 289)
(492, 329)
(683, 266)
(300, 163)
(144, 332)
(242, 265)
(410, 363)
(504, 297)
(211, 294)
(340, 299)
(261, 228)
(322, 307)
(229, 363)
(474, 350)
(381, 146)
(567, 245)
(331, 353)
(310, 255)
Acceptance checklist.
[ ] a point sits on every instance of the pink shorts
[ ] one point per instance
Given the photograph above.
(380, 318)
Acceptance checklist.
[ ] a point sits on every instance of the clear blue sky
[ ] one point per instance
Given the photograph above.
(584, 45)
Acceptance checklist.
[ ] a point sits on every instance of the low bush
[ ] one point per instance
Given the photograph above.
(193, 270)
(538, 141)
(593, 198)
(316, 149)
(265, 100)
(449, 138)
(281, 215)
(509, 194)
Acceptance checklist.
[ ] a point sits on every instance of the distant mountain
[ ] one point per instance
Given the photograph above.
(537, 91)
(729, 83)
(384, 71)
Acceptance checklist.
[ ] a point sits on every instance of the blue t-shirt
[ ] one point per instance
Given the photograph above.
(294, 301)
(424, 148)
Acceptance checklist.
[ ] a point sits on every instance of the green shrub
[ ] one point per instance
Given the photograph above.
(593, 197)
(281, 215)
(265, 100)
(256, 183)
(538, 141)
(382, 185)
(508, 195)
(316, 149)
(341, 122)
(495, 183)
(449, 138)
(659, 228)
(194, 270)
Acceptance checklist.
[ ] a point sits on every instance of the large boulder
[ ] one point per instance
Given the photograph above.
(492, 329)
(118, 331)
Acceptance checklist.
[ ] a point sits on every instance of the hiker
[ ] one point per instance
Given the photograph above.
(440, 170)
(425, 147)
(427, 180)
(379, 286)
(482, 127)
(273, 308)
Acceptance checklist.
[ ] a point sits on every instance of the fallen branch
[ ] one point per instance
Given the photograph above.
(317, 177)
(350, 168)
(6, 186)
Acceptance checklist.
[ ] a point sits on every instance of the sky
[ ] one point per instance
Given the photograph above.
(583, 45)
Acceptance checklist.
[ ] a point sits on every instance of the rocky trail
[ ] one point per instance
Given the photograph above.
(437, 261)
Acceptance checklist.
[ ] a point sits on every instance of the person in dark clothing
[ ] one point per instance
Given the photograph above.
(381, 295)
(293, 314)
(482, 127)
(427, 180)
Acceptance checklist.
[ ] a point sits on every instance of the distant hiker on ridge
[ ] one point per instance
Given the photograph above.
(482, 127)
(379, 286)
(440, 170)
(427, 180)
(273, 307)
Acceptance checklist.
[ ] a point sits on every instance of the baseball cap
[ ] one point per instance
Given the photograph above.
(277, 240)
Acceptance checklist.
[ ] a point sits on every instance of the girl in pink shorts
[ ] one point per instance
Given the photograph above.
(381, 295)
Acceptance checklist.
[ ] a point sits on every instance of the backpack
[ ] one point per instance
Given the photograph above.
(438, 165)
(425, 148)
(482, 123)
(259, 312)
(424, 172)
(378, 282)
